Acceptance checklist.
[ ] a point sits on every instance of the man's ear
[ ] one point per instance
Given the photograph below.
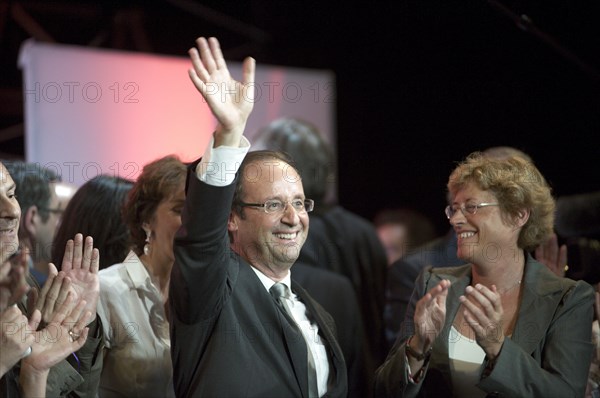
(232, 223)
(29, 220)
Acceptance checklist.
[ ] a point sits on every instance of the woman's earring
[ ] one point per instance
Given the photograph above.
(147, 245)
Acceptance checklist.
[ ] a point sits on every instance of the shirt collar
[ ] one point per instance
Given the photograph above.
(268, 282)
(136, 270)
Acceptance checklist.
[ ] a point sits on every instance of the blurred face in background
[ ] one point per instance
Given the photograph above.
(45, 230)
(393, 238)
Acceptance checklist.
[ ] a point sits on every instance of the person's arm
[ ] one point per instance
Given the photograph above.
(565, 356)
(65, 334)
(88, 361)
(81, 263)
(202, 246)
(80, 373)
(406, 364)
(14, 341)
(231, 102)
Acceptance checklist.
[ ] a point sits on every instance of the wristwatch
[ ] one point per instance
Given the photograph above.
(419, 356)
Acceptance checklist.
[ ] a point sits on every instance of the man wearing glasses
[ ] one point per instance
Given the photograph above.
(239, 325)
(41, 211)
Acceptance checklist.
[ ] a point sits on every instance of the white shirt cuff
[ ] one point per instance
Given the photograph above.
(219, 165)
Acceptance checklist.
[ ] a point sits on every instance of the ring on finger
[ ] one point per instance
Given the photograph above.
(73, 336)
(27, 352)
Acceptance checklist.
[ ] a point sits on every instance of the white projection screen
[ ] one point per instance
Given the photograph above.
(90, 111)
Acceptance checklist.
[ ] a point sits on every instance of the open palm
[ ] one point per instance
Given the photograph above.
(81, 263)
(229, 100)
(430, 313)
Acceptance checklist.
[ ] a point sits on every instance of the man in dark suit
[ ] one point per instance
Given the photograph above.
(339, 240)
(231, 337)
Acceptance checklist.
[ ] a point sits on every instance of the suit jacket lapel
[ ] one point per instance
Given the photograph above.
(326, 332)
(539, 284)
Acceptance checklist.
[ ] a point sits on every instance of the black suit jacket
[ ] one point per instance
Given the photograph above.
(346, 243)
(228, 337)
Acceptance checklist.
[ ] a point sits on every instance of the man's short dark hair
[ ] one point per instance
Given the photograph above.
(33, 185)
(253, 157)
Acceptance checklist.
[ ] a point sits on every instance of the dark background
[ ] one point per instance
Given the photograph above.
(420, 84)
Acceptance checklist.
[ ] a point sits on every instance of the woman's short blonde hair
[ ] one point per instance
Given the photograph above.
(517, 184)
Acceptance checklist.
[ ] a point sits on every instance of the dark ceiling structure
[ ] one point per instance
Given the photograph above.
(165, 27)
(420, 84)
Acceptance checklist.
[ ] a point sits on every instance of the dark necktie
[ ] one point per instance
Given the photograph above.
(280, 292)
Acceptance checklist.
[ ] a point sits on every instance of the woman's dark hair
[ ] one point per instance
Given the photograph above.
(159, 180)
(95, 210)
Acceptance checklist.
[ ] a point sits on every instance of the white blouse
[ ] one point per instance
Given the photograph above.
(466, 363)
(137, 361)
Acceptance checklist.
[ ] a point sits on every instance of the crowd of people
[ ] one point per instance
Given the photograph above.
(247, 279)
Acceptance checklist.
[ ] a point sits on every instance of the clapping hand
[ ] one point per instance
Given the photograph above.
(79, 275)
(65, 333)
(485, 314)
(81, 263)
(430, 316)
(553, 256)
(14, 337)
(13, 279)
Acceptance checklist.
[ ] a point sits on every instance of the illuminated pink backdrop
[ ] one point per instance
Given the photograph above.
(91, 111)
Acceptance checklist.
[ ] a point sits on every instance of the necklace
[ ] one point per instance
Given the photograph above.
(511, 287)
